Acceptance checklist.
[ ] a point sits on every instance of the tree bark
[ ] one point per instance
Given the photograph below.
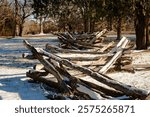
(140, 25)
(109, 23)
(119, 23)
(16, 18)
(147, 31)
(85, 24)
(20, 29)
(41, 25)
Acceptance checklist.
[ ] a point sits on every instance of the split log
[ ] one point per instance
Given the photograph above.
(98, 36)
(77, 44)
(87, 58)
(106, 91)
(38, 67)
(84, 37)
(119, 45)
(37, 76)
(142, 66)
(116, 56)
(77, 86)
(137, 67)
(49, 68)
(38, 72)
(28, 56)
(128, 68)
(84, 87)
(122, 62)
(107, 47)
(126, 89)
(55, 48)
(100, 62)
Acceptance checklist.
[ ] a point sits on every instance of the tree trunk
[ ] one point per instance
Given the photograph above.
(140, 27)
(16, 18)
(89, 24)
(140, 34)
(20, 29)
(85, 25)
(109, 23)
(119, 23)
(147, 31)
(41, 25)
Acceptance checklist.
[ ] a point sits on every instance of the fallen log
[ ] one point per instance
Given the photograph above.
(126, 89)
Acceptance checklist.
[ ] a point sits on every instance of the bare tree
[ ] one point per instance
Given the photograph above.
(6, 19)
(23, 10)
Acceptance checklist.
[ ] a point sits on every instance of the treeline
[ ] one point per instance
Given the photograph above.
(13, 14)
(85, 15)
(80, 16)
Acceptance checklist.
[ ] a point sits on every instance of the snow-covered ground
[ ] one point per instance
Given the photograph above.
(13, 68)
(13, 81)
(139, 79)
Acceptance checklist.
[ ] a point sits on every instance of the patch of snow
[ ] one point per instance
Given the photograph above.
(121, 98)
(16, 87)
(14, 84)
(91, 93)
(1, 85)
(140, 79)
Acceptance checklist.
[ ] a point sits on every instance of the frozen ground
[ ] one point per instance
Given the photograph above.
(13, 80)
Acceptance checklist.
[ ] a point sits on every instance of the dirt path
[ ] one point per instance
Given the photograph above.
(13, 81)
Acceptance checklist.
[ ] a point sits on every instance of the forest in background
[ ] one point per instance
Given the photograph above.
(22, 17)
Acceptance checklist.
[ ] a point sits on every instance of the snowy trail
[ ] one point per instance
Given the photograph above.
(13, 80)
